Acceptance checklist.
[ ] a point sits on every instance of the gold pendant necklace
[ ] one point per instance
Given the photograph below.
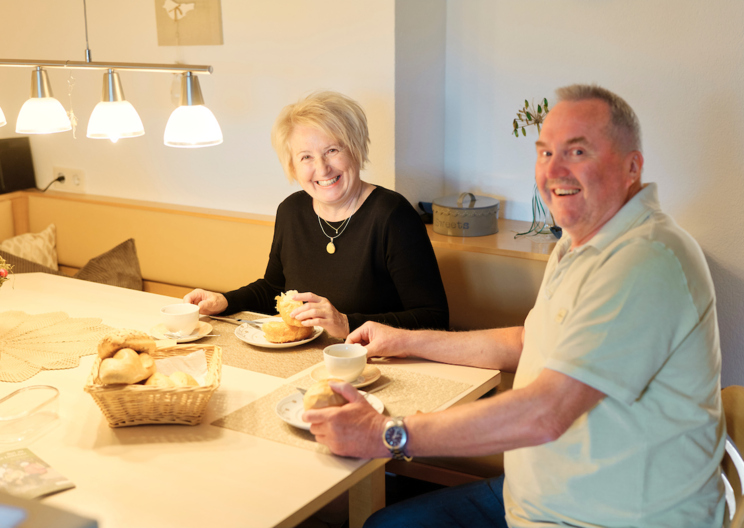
(331, 247)
(339, 227)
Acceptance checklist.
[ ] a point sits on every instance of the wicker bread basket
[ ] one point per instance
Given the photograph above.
(125, 405)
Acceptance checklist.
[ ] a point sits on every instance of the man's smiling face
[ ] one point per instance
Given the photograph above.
(582, 175)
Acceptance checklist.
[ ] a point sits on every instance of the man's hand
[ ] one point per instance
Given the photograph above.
(354, 430)
(319, 311)
(209, 303)
(380, 340)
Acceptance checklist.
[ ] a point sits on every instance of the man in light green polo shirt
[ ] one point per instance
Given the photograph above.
(615, 418)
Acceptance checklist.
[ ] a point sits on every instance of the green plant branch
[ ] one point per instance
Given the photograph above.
(530, 115)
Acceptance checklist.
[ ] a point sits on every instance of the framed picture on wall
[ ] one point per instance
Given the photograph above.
(192, 23)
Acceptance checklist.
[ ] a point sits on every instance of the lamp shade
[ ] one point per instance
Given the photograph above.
(42, 115)
(114, 120)
(3, 122)
(192, 127)
(114, 117)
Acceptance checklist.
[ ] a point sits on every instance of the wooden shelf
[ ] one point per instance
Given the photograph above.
(502, 243)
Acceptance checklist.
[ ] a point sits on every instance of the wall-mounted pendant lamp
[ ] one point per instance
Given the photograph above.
(192, 125)
(114, 117)
(42, 113)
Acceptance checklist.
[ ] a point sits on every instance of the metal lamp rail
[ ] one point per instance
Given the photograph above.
(131, 66)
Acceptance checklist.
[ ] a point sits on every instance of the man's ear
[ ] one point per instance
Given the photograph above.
(634, 167)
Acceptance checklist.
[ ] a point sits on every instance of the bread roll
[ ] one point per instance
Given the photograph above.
(124, 367)
(124, 338)
(148, 363)
(181, 379)
(159, 380)
(285, 306)
(321, 395)
(280, 332)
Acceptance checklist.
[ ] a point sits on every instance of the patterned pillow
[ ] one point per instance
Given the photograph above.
(21, 265)
(36, 247)
(117, 267)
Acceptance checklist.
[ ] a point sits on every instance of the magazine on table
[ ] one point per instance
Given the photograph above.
(23, 474)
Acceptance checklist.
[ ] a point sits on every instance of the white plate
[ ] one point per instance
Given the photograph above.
(290, 409)
(158, 332)
(255, 336)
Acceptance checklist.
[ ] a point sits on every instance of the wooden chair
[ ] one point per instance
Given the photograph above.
(733, 465)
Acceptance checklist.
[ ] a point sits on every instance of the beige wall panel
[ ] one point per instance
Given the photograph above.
(6, 220)
(175, 248)
(487, 291)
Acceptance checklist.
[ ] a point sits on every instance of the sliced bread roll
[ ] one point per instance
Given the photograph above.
(321, 395)
(285, 306)
(280, 332)
(125, 338)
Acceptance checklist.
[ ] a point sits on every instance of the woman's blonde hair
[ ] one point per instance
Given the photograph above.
(335, 114)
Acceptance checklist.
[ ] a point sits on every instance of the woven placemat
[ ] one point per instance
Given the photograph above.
(278, 362)
(407, 393)
(51, 341)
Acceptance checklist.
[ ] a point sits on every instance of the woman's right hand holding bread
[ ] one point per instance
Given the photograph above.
(209, 303)
(317, 310)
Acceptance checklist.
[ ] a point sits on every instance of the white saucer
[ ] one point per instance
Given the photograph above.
(369, 375)
(159, 331)
(290, 409)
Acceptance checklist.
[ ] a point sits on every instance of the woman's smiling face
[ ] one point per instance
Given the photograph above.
(324, 168)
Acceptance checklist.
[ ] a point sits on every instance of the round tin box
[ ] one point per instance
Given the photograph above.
(454, 216)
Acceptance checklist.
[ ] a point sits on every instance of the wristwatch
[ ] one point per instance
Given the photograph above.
(395, 438)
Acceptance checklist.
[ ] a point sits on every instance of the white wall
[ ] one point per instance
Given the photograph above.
(680, 65)
(420, 53)
(274, 52)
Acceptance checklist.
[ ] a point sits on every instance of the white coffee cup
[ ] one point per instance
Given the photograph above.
(345, 362)
(180, 318)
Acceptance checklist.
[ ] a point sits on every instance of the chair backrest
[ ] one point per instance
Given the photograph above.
(733, 465)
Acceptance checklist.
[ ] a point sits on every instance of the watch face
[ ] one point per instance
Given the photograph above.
(395, 436)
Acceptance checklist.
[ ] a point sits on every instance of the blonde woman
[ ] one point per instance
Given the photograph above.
(356, 252)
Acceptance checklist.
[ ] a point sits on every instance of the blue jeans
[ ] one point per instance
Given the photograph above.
(474, 505)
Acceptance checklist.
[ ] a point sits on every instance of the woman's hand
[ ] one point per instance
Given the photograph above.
(318, 311)
(209, 303)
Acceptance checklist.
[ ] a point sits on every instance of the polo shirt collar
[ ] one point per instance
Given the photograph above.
(635, 212)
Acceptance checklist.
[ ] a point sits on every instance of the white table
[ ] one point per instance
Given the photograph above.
(182, 476)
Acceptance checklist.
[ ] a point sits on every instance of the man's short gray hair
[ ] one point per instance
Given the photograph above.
(625, 128)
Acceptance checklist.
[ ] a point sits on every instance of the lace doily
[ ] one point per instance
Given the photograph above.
(51, 341)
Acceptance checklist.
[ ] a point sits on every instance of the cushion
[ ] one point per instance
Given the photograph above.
(21, 265)
(36, 247)
(117, 267)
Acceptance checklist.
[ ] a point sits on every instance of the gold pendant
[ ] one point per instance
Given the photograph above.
(330, 248)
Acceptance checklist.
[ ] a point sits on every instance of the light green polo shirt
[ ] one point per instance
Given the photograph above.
(631, 313)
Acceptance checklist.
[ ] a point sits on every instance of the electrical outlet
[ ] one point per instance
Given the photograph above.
(74, 180)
